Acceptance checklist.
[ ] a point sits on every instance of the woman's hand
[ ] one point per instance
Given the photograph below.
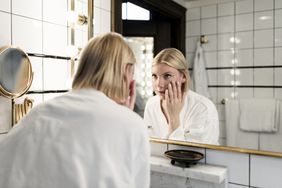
(172, 105)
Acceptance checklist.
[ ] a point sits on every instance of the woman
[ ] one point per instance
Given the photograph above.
(176, 112)
(87, 137)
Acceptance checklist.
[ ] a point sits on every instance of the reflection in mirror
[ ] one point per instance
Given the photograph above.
(15, 72)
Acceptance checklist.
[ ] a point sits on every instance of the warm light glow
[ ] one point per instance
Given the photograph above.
(234, 40)
(265, 17)
(71, 51)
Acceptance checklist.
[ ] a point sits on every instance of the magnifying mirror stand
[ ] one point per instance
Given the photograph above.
(20, 110)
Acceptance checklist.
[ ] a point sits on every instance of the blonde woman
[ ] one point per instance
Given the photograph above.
(88, 137)
(176, 112)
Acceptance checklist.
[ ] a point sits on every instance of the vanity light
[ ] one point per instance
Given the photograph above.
(73, 17)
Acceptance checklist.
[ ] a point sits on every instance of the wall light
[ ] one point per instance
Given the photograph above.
(73, 17)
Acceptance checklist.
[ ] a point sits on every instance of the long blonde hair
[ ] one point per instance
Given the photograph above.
(174, 58)
(102, 66)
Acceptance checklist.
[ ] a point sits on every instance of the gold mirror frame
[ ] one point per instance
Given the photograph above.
(7, 93)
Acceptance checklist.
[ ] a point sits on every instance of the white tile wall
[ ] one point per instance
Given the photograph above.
(245, 77)
(244, 22)
(193, 28)
(208, 26)
(265, 171)
(264, 20)
(211, 59)
(224, 41)
(25, 29)
(225, 58)
(263, 5)
(28, 8)
(226, 9)
(55, 14)
(37, 83)
(5, 5)
(244, 57)
(237, 164)
(278, 56)
(212, 44)
(245, 6)
(263, 38)
(5, 34)
(266, 79)
(225, 24)
(245, 40)
(263, 92)
(158, 149)
(208, 11)
(263, 56)
(278, 3)
(278, 37)
(193, 14)
(278, 18)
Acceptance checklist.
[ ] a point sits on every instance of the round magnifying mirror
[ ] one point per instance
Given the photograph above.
(15, 72)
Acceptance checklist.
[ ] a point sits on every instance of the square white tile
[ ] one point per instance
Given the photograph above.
(55, 11)
(265, 171)
(212, 77)
(244, 76)
(263, 38)
(25, 29)
(244, 92)
(193, 28)
(221, 112)
(225, 59)
(278, 56)
(244, 40)
(263, 5)
(106, 4)
(158, 149)
(278, 76)
(191, 44)
(213, 92)
(78, 39)
(193, 14)
(263, 92)
(212, 44)
(225, 24)
(245, 6)
(28, 8)
(190, 58)
(278, 37)
(263, 56)
(208, 11)
(105, 21)
(54, 39)
(208, 26)
(97, 20)
(263, 76)
(211, 59)
(5, 5)
(225, 9)
(237, 164)
(244, 58)
(224, 41)
(278, 18)
(264, 20)
(244, 22)
(5, 34)
(278, 93)
(225, 77)
(278, 3)
(56, 74)
(37, 82)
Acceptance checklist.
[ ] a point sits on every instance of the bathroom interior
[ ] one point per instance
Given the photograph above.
(242, 42)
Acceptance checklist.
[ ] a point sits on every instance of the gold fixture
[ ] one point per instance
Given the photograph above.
(20, 110)
(204, 39)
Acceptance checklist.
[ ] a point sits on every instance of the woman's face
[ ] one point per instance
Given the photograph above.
(162, 75)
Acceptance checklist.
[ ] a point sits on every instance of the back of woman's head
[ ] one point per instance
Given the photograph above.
(174, 58)
(102, 65)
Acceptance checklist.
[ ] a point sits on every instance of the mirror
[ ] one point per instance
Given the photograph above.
(15, 79)
(240, 65)
(15, 72)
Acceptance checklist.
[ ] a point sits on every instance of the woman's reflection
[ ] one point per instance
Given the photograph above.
(176, 112)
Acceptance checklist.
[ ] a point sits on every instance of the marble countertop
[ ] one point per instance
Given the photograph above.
(200, 171)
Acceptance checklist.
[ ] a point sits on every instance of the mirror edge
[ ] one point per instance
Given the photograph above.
(217, 147)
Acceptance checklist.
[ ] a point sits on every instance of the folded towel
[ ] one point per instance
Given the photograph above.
(259, 115)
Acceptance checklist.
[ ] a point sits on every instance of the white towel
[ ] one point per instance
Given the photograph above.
(258, 115)
(199, 77)
(234, 136)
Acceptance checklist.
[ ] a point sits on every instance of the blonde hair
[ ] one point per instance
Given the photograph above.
(102, 66)
(174, 58)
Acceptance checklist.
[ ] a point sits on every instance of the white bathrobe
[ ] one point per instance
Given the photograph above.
(198, 120)
(80, 140)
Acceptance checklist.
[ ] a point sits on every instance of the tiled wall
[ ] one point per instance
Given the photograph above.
(40, 26)
(244, 33)
(244, 170)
